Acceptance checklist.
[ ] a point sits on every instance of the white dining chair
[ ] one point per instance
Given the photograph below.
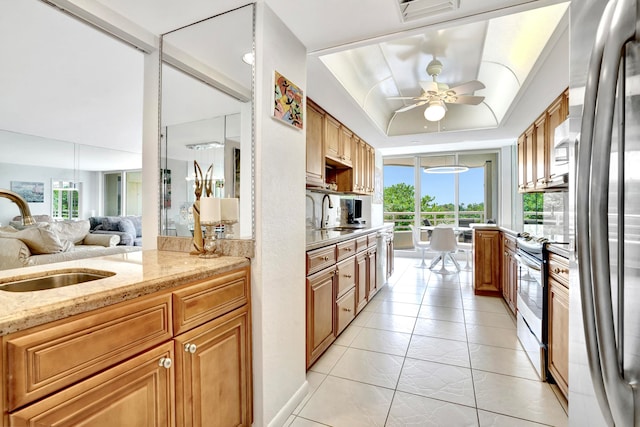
(443, 241)
(420, 244)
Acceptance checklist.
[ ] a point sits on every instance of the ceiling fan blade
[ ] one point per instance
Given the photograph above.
(409, 107)
(468, 87)
(403, 97)
(467, 99)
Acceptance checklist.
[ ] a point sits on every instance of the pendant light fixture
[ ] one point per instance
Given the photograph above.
(453, 168)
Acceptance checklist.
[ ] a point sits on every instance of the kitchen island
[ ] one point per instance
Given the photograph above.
(153, 344)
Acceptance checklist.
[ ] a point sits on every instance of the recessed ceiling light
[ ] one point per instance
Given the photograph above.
(204, 145)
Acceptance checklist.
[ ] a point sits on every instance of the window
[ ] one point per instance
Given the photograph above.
(65, 200)
(412, 196)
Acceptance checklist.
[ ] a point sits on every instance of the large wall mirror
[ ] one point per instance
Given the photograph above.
(207, 117)
(70, 113)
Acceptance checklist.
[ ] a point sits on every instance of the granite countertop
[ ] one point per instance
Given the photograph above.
(319, 238)
(137, 274)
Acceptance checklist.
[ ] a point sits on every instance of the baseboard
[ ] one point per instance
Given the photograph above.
(283, 414)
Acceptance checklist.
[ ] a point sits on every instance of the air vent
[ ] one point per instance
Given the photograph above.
(417, 9)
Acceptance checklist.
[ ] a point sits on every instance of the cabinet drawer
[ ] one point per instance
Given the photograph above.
(346, 310)
(371, 239)
(346, 274)
(509, 242)
(559, 269)
(200, 302)
(320, 258)
(119, 396)
(346, 249)
(47, 358)
(361, 243)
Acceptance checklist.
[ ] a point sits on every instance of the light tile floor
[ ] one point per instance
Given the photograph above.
(427, 352)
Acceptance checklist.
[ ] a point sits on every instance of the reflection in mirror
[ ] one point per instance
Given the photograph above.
(70, 110)
(206, 117)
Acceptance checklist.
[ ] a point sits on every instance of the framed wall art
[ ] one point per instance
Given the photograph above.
(32, 192)
(287, 105)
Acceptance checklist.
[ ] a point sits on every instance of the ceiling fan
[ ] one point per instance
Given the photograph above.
(437, 94)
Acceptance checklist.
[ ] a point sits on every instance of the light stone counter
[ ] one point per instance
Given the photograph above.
(137, 274)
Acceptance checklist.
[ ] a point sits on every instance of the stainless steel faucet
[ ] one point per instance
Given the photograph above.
(25, 212)
(325, 219)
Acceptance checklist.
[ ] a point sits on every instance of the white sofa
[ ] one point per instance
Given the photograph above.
(55, 242)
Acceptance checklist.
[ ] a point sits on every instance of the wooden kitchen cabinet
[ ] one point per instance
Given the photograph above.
(138, 392)
(536, 145)
(362, 273)
(345, 151)
(320, 303)
(213, 373)
(331, 138)
(530, 155)
(345, 310)
(542, 150)
(336, 155)
(522, 163)
(118, 365)
(486, 262)
(558, 321)
(509, 277)
(372, 282)
(315, 146)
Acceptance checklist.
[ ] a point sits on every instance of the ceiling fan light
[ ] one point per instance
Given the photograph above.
(435, 111)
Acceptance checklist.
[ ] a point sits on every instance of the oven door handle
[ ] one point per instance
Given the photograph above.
(523, 261)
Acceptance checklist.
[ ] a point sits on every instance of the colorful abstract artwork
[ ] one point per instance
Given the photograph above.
(287, 101)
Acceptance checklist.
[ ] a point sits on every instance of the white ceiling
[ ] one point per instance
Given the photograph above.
(327, 27)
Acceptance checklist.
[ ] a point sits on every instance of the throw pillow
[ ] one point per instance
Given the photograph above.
(111, 223)
(137, 223)
(73, 231)
(126, 226)
(39, 240)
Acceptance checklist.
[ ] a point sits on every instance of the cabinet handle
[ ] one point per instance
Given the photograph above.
(165, 362)
(346, 309)
(348, 276)
(325, 258)
(560, 270)
(348, 249)
(190, 348)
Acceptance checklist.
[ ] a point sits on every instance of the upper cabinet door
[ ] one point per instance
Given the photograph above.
(315, 146)
(331, 137)
(346, 146)
(543, 151)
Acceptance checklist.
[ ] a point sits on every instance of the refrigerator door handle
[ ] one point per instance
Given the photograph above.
(620, 393)
(583, 244)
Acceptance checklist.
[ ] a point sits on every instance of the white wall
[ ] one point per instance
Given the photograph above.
(90, 188)
(278, 281)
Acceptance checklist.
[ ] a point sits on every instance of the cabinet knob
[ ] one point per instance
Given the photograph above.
(325, 258)
(346, 309)
(348, 276)
(348, 249)
(190, 348)
(558, 270)
(165, 362)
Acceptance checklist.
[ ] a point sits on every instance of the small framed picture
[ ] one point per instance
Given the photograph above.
(32, 192)
(287, 105)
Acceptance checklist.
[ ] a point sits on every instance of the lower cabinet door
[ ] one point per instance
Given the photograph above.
(346, 309)
(320, 321)
(361, 280)
(559, 335)
(213, 373)
(138, 393)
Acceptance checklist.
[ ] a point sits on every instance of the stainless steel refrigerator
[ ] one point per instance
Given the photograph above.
(604, 323)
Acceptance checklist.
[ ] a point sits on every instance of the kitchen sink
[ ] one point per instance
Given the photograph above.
(54, 280)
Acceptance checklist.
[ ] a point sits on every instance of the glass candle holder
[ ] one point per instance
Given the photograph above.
(210, 243)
